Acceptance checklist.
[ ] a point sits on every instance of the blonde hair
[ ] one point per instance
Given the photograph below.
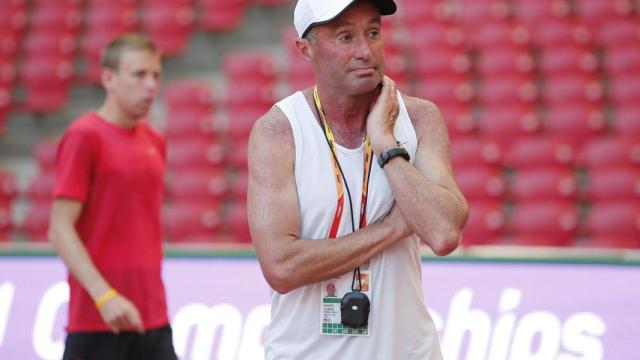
(110, 57)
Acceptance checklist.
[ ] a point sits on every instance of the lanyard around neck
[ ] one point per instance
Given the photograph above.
(339, 175)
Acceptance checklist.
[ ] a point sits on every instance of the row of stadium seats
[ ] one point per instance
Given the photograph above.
(542, 99)
(47, 45)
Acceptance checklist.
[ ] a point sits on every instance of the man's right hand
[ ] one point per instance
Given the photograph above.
(120, 314)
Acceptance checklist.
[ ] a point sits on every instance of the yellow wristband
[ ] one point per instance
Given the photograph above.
(111, 293)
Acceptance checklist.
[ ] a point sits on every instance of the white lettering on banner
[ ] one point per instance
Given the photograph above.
(541, 329)
(219, 331)
(206, 320)
(575, 337)
(253, 333)
(541, 323)
(52, 301)
(503, 329)
(462, 319)
(6, 299)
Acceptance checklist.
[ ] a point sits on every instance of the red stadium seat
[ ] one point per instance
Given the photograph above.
(48, 44)
(554, 32)
(613, 184)
(499, 34)
(432, 62)
(575, 89)
(597, 12)
(473, 151)
(622, 61)
(556, 222)
(54, 16)
(625, 90)
(13, 18)
(237, 154)
(624, 32)
(532, 12)
(217, 15)
(511, 90)
(197, 185)
(36, 223)
(112, 16)
(568, 59)
(473, 14)
(189, 94)
(272, 2)
(616, 219)
(255, 66)
(505, 61)
(480, 183)
(188, 125)
(238, 184)
(240, 122)
(44, 152)
(538, 152)
(41, 187)
(241, 95)
(543, 184)
(169, 26)
(8, 188)
(47, 82)
(504, 125)
(485, 224)
(417, 12)
(574, 123)
(188, 222)
(5, 105)
(446, 90)
(608, 152)
(235, 219)
(626, 120)
(6, 221)
(195, 154)
(459, 118)
(436, 35)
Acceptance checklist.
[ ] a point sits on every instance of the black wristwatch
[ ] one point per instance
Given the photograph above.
(399, 150)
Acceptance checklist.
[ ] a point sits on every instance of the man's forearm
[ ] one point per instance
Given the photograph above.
(297, 262)
(69, 247)
(435, 213)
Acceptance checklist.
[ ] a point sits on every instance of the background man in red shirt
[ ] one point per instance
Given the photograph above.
(105, 222)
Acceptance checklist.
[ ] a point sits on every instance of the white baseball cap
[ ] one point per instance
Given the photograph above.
(315, 12)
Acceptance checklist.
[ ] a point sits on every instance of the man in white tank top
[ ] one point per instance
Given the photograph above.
(345, 179)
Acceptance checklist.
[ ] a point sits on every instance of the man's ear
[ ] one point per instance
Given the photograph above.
(106, 77)
(304, 48)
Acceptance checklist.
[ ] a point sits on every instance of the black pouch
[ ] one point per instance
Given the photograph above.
(354, 309)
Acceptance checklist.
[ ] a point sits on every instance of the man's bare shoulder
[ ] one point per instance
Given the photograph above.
(425, 115)
(272, 129)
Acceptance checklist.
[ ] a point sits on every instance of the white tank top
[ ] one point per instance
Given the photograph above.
(400, 326)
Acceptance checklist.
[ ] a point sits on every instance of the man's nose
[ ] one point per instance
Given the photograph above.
(363, 48)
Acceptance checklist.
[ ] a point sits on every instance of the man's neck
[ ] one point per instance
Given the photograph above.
(113, 114)
(347, 115)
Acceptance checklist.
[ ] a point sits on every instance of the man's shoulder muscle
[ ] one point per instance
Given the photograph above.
(425, 116)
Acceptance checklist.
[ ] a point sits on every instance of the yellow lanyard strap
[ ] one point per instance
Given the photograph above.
(337, 170)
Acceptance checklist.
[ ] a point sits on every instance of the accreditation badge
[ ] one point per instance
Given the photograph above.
(332, 292)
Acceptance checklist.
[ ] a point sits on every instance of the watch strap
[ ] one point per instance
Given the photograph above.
(399, 150)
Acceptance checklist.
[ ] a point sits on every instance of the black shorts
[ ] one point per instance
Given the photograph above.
(155, 344)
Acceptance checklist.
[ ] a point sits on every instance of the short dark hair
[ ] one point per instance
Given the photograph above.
(110, 57)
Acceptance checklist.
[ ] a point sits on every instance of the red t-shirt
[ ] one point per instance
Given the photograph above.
(117, 174)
